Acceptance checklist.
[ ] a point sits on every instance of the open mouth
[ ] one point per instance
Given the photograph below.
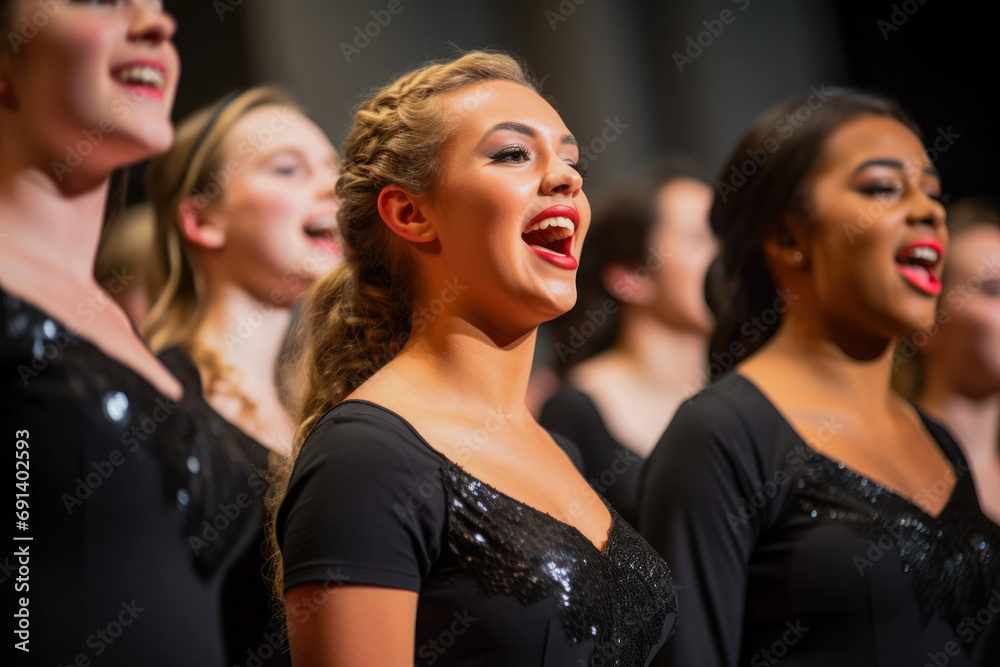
(322, 233)
(148, 76)
(918, 263)
(550, 235)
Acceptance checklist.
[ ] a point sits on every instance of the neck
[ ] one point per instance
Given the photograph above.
(469, 368)
(247, 334)
(862, 379)
(662, 356)
(974, 421)
(48, 229)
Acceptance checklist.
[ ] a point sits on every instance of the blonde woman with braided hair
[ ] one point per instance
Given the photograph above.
(245, 220)
(428, 518)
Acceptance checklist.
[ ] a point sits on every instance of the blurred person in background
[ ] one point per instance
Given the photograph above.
(122, 258)
(112, 476)
(634, 346)
(810, 513)
(959, 359)
(245, 223)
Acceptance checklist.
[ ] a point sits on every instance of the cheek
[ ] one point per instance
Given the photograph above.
(266, 214)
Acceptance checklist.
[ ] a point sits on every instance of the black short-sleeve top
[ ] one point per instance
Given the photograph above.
(499, 582)
(784, 556)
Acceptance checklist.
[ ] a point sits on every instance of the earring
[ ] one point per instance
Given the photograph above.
(797, 256)
(425, 234)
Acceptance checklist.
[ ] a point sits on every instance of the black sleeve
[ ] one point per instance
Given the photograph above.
(691, 493)
(364, 505)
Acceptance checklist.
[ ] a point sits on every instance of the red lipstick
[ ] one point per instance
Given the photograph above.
(559, 250)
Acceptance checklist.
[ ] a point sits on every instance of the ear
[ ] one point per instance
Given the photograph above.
(404, 214)
(628, 285)
(198, 227)
(785, 247)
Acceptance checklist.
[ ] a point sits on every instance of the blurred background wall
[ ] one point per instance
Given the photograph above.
(653, 77)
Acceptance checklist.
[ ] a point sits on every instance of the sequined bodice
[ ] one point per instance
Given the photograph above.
(953, 557)
(622, 597)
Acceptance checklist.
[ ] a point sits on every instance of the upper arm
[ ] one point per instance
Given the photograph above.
(694, 491)
(348, 625)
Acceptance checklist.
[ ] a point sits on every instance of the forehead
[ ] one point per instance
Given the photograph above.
(274, 127)
(479, 107)
(871, 137)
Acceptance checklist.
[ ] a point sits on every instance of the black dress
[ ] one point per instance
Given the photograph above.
(500, 583)
(121, 484)
(251, 629)
(784, 554)
(611, 468)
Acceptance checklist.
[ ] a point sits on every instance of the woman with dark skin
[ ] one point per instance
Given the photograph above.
(453, 528)
(813, 514)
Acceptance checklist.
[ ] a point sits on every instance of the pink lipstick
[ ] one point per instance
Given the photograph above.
(917, 263)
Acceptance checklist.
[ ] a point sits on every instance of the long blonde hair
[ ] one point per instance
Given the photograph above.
(175, 278)
(357, 317)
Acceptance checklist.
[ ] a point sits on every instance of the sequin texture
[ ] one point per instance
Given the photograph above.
(953, 557)
(622, 598)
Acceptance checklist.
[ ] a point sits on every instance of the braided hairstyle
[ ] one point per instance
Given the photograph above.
(357, 317)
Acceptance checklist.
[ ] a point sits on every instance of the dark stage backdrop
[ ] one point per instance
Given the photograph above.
(634, 80)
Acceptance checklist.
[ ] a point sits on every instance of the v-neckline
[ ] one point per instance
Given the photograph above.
(603, 550)
(842, 466)
(97, 348)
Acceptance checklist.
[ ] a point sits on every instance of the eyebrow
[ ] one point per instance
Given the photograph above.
(895, 164)
(527, 131)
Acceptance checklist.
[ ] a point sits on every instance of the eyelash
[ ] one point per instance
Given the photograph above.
(504, 153)
(884, 190)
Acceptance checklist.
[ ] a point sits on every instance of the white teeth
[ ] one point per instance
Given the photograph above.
(148, 76)
(551, 222)
(924, 253)
(323, 223)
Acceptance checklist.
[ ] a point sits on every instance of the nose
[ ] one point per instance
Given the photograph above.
(927, 210)
(151, 24)
(562, 178)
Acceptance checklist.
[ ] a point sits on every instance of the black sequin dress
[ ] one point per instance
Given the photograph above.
(129, 518)
(784, 556)
(500, 583)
